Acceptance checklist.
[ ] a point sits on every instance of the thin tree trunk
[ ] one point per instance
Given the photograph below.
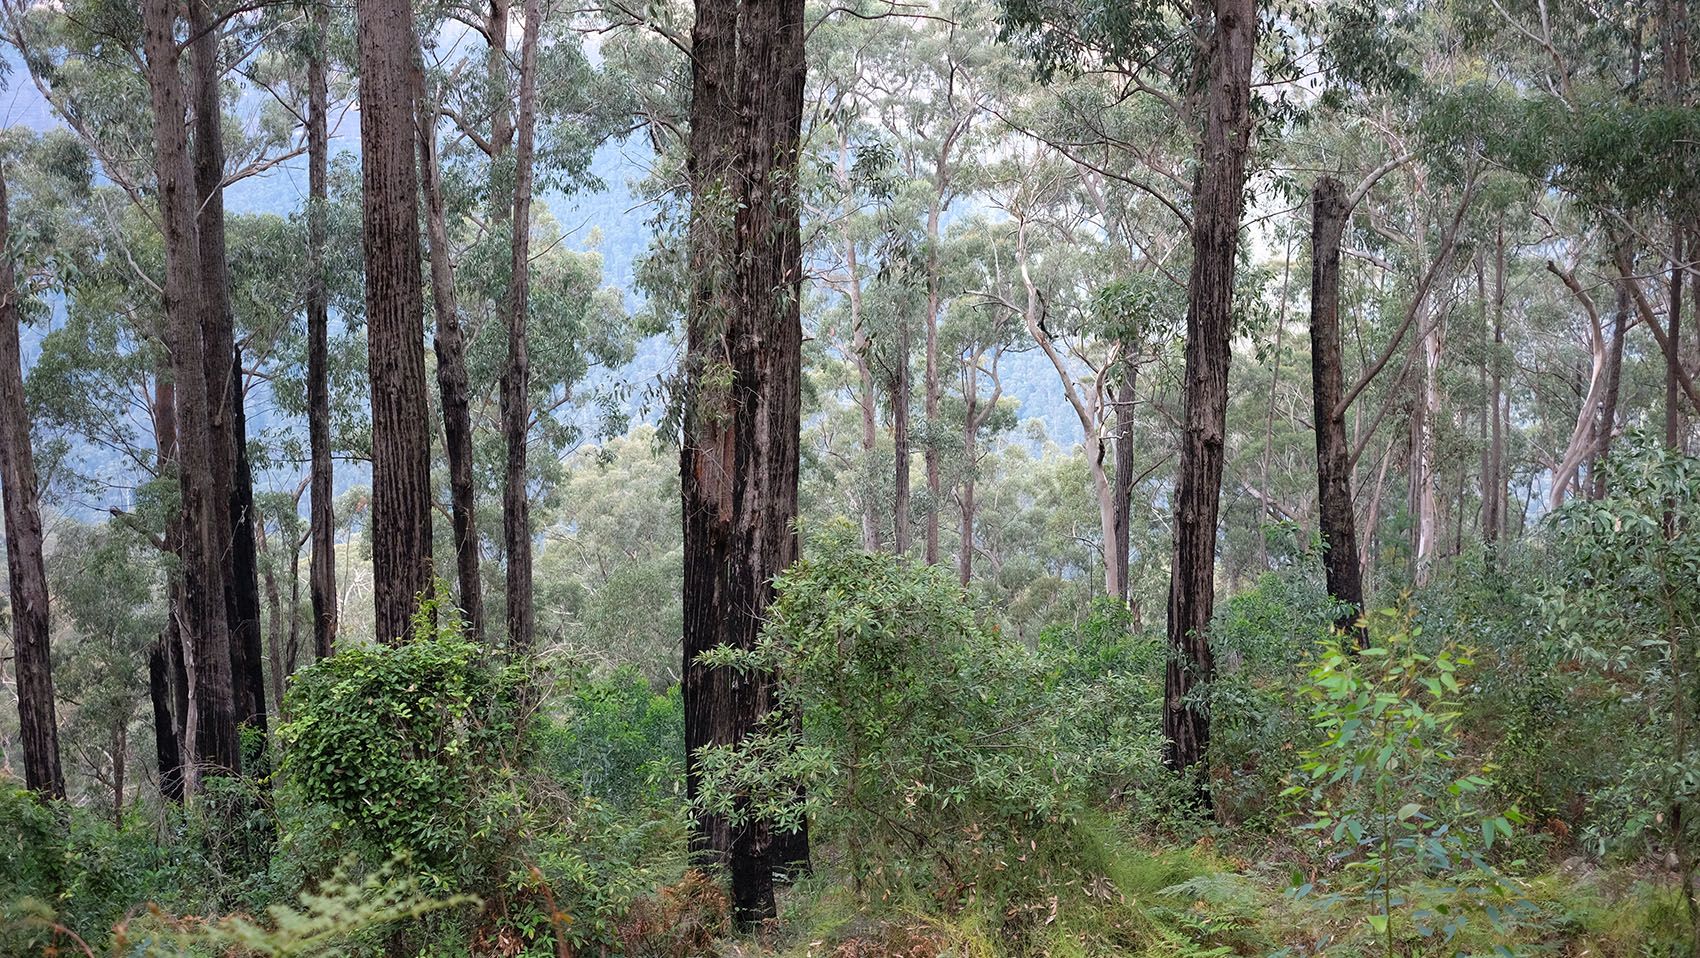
(1121, 522)
(516, 379)
(900, 388)
(1673, 356)
(1495, 514)
(210, 713)
(1269, 409)
(120, 759)
(1218, 199)
(395, 336)
(1607, 423)
(1338, 523)
(930, 372)
(450, 346)
(26, 569)
(321, 520)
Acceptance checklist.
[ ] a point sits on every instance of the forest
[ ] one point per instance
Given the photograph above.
(850, 478)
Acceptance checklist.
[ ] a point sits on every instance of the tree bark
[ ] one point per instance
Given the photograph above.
(210, 714)
(450, 346)
(26, 568)
(1122, 521)
(164, 730)
(395, 338)
(516, 378)
(226, 422)
(900, 387)
(321, 519)
(739, 454)
(930, 372)
(1333, 453)
(1218, 199)
(1673, 356)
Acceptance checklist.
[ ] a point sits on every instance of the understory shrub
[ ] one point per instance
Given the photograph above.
(930, 749)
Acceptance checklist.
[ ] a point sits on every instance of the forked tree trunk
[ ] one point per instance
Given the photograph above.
(1333, 452)
(450, 346)
(1218, 199)
(395, 333)
(516, 378)
(321, 520)
(209, 719)
(26, 569)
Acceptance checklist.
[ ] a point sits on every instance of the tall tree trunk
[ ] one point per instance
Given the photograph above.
(516, 378)
(1333, 452)
(1495, 481)
(930, 372)
(26, 569)
(321, 566)
(739, 456)
(1673, 357)
(395, 337)
(450, 345)
(226, 423)
(707, 470)
(210, 714)
(1218, 199)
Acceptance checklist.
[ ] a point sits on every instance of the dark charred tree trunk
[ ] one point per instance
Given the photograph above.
(1333, 450)
(26, 569)
(739, 455)
(210, 719)
(450, 345)
(164, 729)
(1121, 521)
(231, 486)
(245, 565)
(1218, 199)
(321, 521)
(706, 468)
(516, 378)
(395, 332)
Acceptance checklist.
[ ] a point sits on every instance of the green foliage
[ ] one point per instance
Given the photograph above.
(1390, 794)
(615, 739)
(403, 741)
(1258, 715)
(1621, 602)
(925, 744)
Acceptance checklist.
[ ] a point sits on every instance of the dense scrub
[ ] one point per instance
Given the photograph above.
(1462, 785)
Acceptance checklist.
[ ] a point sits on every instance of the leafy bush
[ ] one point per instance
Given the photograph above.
(404, 741)
(926, 741)
(1622, 601)
(1262, 639)
(615, 739)
(1389, 793)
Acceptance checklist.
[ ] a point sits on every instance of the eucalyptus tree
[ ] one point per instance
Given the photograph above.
(740, 444)
(26, 570)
